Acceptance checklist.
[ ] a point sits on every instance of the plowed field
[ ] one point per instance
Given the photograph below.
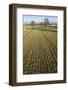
(40, 52)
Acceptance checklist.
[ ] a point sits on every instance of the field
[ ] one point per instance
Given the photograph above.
(40, 50)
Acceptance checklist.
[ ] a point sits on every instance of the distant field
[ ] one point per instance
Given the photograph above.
(40, 50)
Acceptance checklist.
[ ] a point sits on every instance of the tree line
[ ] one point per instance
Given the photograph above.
(45, 23)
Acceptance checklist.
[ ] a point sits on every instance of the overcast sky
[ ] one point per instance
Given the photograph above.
(28, 18)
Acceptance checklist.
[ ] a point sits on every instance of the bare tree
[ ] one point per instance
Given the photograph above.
(41, 24)
(46, 22)
(32, 24)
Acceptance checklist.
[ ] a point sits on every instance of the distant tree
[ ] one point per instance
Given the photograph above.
(41, 24)
(32, 24)
(46, 22)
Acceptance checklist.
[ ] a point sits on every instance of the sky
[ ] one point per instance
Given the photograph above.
(37, 18)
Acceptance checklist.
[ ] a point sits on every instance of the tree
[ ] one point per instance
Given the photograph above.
(41, 24)
(46, 22)
(32, 24)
